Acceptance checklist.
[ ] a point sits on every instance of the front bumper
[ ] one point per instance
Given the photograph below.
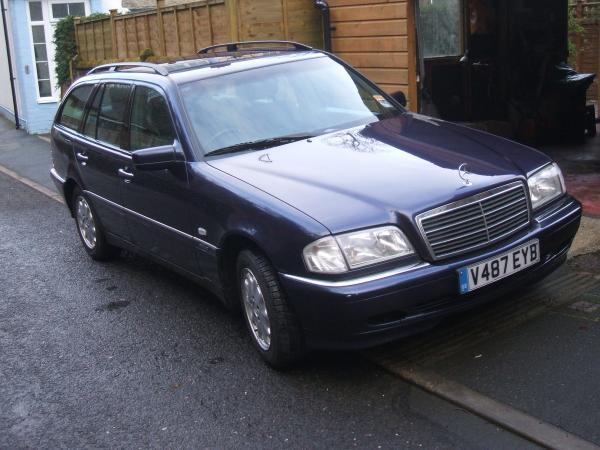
(373, 310)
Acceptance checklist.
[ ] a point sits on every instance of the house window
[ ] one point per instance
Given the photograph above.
(40, 49)
(62, 10)
(43, 17)
(440, 28)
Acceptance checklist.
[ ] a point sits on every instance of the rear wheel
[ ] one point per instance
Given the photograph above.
(273, 326)
(89, 228)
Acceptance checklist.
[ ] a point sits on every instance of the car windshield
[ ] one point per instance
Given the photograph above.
(301, 98)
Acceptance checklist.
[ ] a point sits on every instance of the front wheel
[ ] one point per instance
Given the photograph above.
(89, 229)
(273, 326)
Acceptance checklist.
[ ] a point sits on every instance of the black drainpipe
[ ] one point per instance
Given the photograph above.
(10, 70)
(324, 7)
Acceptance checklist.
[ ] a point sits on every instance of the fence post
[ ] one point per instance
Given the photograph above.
(77, 24)
(113, 33)
(160, 4)
(232, 6)
(284, 19)
(210, 24)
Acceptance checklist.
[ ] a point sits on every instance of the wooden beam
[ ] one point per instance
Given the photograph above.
(147, 31)
(161, 30)
(113, 33)
(210, 24)
(233, 9)
(176, 17)
(192, 29)
(284, 13)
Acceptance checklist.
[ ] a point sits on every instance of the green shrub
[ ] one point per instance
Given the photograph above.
(147, 53)
(66, 49)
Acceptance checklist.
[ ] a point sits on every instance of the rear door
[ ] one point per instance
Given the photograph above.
(159, 199)
(101, 155)
(68, 125)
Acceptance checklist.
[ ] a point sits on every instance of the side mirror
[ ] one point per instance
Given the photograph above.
(400, 98)
(155, 158)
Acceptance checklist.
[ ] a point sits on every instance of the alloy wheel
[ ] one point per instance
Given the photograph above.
(85, 222)
(255, 308)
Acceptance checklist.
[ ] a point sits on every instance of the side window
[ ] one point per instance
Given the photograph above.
(111, 118)
(89, 129)
(151, 124)
(74, 106)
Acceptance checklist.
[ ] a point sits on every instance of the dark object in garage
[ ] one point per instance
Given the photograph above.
(567, 89)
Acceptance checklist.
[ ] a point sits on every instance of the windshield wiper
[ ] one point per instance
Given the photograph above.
(259, 144)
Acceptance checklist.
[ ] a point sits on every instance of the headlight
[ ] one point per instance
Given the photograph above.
(546, 185)
(338, 254)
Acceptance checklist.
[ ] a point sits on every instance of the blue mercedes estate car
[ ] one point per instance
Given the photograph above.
(303, 195)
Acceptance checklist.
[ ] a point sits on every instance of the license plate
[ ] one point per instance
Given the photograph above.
(501, 266)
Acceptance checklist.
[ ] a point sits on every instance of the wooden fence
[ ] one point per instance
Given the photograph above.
(378, 38)
(587, 58)
(180, 30)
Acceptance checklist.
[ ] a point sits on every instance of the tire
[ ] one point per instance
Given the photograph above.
(283, 345)
(89, 229)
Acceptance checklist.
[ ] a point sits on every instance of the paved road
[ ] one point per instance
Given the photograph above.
(127, 354)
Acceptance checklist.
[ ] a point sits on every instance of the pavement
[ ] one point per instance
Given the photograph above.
(581, 167)
(127, 354)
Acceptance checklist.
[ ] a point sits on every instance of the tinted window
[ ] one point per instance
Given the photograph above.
(111, 119)
(72, 111)
(89, 129)
(151, 124)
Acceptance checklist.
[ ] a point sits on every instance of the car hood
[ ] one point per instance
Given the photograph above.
(385, 172)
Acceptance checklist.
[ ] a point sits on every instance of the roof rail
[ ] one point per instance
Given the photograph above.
(114, 67)
(234, 47)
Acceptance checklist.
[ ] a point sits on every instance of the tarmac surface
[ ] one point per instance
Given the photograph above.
(126, 354)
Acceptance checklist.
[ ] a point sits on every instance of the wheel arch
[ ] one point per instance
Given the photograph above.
(230, 248)
(68, 189)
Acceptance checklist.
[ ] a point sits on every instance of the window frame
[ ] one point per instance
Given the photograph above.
(130, 112)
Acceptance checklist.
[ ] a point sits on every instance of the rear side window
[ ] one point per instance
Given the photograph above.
(74, 106)
(111, 118)
(151, 124)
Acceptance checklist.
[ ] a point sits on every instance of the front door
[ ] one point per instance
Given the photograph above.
(158, 199)
(101, 157)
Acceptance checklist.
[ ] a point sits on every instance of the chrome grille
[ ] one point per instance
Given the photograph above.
(476, 221)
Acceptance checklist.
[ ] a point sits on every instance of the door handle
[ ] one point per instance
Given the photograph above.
(82, 157)
(123, 173)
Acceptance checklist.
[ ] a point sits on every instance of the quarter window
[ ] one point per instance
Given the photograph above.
(111, 118)
(151, 124)
(74, 106)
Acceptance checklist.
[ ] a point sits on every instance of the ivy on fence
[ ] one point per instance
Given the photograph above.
(66, 47)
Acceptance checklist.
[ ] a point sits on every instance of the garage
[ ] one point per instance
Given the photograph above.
(501, 66)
